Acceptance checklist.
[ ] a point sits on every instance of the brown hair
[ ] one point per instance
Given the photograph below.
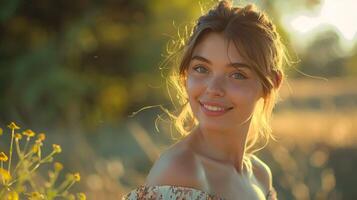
(257, 41)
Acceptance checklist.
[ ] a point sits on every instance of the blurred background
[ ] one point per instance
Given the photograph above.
(77, 70)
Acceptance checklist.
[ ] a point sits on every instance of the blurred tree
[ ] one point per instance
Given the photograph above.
(68, 62)
(324, 57)
(351, 64)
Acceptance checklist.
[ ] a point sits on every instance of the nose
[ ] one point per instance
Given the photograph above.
(215, 87)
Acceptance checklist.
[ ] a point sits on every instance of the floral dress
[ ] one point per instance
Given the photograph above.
(168, 192)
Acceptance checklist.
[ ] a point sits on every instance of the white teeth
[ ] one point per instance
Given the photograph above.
(213, 108)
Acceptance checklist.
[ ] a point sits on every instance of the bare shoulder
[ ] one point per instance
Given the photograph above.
(262, 173)
(175, 166)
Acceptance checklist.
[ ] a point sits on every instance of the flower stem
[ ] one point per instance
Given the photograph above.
(33, 169)
(67, 187)
(20, 156)
(18, 149)
(26, 144)
(48, 157)
(12, 141)
(2, 167)
(53, 179)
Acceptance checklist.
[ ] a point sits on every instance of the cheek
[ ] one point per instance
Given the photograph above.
(245, 95)
(193, 86)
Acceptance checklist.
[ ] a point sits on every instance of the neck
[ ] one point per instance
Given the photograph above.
(225, 147)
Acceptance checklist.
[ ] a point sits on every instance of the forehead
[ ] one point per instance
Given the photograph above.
(217, 48)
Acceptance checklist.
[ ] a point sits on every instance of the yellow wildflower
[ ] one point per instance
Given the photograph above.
(28, 133)
(18, 136)
(1, 131)
(13, 126)
(35, 148)
(81, 196)
(56, 148)
(77, 177)
(3, 157)
(58, 166)
(36, 196)
(4, 175)
(12, 196)
(41, 136)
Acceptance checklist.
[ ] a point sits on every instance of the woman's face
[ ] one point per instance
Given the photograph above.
(222, 89)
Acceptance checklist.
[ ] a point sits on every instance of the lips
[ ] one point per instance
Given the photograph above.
(214, 109)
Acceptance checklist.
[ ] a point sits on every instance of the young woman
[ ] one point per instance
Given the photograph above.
(230, 74)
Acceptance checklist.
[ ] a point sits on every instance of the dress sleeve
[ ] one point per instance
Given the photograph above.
(141, 193)
(272, 195)
(168, 193)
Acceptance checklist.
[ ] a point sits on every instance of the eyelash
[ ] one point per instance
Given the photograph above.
(199, 67)
(196, 68)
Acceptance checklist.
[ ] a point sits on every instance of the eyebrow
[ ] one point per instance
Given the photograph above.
(235, 64)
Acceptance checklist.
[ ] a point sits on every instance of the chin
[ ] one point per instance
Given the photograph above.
(214, 126)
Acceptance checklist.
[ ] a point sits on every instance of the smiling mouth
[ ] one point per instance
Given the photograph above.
(215, 108)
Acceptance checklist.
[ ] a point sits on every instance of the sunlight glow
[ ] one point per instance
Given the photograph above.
(304, 24)
(341, 14)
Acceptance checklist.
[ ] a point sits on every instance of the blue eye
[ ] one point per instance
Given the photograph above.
(200, 69)
(238, 76)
